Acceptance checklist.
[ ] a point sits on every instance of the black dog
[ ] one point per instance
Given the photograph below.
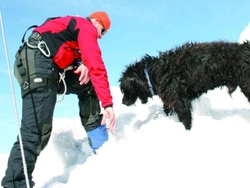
(184, 73)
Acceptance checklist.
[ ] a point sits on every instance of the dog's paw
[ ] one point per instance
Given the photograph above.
(168, 110)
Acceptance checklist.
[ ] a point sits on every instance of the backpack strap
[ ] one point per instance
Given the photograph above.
(33, 26)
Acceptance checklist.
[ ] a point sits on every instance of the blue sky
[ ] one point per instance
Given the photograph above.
(138, 27)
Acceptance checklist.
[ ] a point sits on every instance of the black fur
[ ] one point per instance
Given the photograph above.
(184, 73)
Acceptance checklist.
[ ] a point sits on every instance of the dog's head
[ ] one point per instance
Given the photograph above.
(133, 85)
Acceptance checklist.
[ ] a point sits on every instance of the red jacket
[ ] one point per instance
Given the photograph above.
(65, 36)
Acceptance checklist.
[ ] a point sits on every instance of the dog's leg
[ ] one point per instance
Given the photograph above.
(246, 91)
(183, 109)
(168, 110)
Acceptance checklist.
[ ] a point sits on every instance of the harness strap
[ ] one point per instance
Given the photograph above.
(33, 26)
(36, 36)
(20, 67)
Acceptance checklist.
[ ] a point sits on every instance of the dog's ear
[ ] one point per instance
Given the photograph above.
(133, 84)
(127, 87)
(140, 87)
(128, 80)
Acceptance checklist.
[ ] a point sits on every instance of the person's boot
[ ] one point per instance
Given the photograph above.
(97, 137)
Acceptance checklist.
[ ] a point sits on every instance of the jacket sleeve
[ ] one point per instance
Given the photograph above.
(91, 56)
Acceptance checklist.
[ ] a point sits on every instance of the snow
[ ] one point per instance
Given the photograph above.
(150, 149)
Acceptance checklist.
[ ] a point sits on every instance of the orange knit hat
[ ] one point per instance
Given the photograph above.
(102, 18)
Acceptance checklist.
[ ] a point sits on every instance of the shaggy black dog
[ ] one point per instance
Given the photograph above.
(184, 73)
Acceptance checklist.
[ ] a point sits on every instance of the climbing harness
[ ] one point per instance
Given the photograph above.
(41, 45)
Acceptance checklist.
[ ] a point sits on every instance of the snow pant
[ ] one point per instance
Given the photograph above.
(38, 78)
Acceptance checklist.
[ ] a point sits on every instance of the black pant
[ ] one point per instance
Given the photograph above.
(37, 112)
(89, 104)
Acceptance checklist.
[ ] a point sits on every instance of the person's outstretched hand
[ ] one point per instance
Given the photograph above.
(109, 114)
(83, 72)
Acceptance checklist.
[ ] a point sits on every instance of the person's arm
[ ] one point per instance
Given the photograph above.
(91, 56)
